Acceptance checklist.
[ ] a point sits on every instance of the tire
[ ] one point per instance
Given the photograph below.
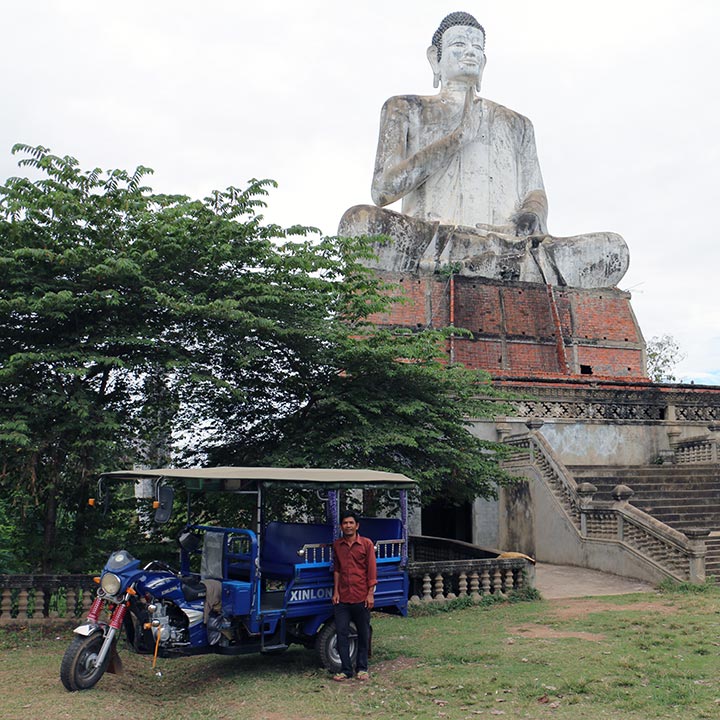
(326, 646)
(76, 671)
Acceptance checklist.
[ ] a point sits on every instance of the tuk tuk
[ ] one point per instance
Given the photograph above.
(238, 590)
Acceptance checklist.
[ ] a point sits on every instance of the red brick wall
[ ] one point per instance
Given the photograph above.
(515, 330)
(611, 362)
(530, 358)
(477, 307)
(479, 354)
(599, 315)
(527, 311)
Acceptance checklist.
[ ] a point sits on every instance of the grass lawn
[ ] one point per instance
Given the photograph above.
(644, 656)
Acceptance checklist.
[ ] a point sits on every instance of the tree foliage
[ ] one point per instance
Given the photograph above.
(663, 354)
(146, 328)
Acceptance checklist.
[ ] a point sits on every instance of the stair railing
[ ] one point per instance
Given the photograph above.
(676, 555)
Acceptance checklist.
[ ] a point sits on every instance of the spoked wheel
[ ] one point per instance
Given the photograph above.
(326, 646)
(77, 670)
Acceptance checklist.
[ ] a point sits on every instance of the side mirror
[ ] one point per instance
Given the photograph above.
(164, 504)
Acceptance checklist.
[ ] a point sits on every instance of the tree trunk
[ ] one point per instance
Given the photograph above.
(49, 530)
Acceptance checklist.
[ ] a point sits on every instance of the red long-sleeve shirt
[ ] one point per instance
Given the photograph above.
(356, 568)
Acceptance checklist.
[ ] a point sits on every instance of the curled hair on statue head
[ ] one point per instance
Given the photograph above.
(455, 18)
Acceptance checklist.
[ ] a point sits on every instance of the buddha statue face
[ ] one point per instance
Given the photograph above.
(462, 60)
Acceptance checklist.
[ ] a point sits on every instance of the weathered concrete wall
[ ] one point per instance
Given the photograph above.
(486, 523)
(592, 443)
(518, 511)
(596, 442)
(540, 530)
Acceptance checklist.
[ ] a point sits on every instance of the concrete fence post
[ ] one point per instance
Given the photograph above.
(698, 549)
(585, 493)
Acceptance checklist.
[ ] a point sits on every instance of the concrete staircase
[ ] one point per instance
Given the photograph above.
(712, 559)
(682, 496)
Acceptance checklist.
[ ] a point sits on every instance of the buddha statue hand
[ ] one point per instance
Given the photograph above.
(526, 223)
(469, 126)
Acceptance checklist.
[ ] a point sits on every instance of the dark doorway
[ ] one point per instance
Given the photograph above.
(448, 521)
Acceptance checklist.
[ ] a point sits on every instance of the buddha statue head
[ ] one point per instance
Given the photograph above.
(457, 52)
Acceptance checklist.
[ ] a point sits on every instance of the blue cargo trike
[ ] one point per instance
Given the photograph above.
(237, 590)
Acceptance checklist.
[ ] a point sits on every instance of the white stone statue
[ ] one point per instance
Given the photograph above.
(468, 175)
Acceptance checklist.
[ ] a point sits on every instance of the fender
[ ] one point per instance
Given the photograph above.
(312, 625)
(88, 629)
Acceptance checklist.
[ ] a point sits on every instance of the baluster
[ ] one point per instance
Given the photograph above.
(71, 601)
(427, 586)
(508, 583)
(22, 615)
(5, 607)
(497, 581)
(438, 594)
(474, 586)
(462, 585)
(485, 581)
(87, 600)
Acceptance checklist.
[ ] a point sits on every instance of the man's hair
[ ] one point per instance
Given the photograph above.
(455, 18)
(349, 513)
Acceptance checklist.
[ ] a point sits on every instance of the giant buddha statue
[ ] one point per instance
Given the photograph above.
(467, 172)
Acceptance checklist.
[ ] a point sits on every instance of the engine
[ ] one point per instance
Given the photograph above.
(170, 622)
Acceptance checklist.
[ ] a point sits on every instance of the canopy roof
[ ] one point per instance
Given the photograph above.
(230, 479)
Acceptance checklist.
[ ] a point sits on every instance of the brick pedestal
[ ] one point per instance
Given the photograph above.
(524, 329)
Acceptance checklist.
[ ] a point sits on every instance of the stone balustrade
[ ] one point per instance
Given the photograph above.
(33, 599)
(614, 401)
(696, 450)
(43, 598)
(442, 581)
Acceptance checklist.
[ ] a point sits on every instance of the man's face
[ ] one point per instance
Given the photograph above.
(349, 526)
(463, 59)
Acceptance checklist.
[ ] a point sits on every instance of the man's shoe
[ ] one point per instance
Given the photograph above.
(340, 677)
(363, 676)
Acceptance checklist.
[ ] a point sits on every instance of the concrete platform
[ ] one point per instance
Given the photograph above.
(566, 581)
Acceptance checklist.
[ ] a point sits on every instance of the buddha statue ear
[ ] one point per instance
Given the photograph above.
(432, 56)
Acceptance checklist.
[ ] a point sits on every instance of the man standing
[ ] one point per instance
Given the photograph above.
(355, 578)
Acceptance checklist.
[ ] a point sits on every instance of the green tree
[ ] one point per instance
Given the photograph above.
(663, 354)
(352, 404)
(135, 326)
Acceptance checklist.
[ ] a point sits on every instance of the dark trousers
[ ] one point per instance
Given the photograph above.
(360, 615)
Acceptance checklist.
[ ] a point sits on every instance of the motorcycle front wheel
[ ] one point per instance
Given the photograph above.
(77, 670)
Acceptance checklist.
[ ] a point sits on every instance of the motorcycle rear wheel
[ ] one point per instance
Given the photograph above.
(77, 670)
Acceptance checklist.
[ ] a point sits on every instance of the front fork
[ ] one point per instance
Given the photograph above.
(116, 621)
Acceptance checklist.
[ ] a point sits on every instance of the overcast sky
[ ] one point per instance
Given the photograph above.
(624, 97)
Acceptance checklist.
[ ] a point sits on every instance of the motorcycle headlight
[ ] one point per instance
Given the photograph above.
(110, 583)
